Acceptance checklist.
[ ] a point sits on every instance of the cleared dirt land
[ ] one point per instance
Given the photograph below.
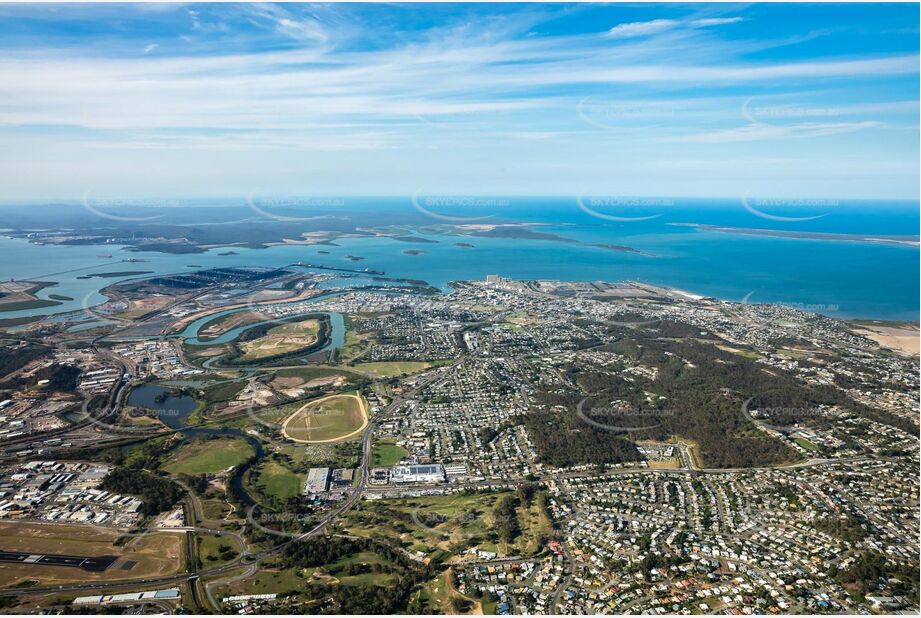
(218, 326)
(282, 339)
(139, 306)
(330, 419)
(904, 339)
(153, 555)
(295, 382)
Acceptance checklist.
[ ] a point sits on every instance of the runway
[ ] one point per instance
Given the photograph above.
(97, 564)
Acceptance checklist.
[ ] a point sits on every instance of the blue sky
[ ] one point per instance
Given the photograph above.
(697, 100)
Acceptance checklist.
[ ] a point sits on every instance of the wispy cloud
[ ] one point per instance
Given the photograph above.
(715, 21)
(289, 89)
(757, 132)
(302, 28)
(641, 28)
(655, 26)
(349, 79)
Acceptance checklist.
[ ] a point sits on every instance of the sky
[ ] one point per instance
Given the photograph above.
(679, 100)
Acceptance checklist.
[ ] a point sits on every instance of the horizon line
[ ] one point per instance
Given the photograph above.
(448, 194)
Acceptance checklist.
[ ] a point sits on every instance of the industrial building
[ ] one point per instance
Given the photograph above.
(129, 597)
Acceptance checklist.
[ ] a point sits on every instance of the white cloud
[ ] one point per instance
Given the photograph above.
(641, 28)
(151, 47)
(715, 21)
(305, 28)
(762, 132)
(488, 88)
(310, 86)
(646, 28)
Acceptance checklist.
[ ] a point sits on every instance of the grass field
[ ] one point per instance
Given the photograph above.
(155, 555)
(225, 391)
(520, 318)
(265, 581)
(744, 353)
(9, 322)
(308, 373)
(440, 595)
(426, 523)
(450, 523)
(364, 579)
(215, 509)
(209, 456)
(22, 305)
(282, 339)
(386, 453)
(395, 368)
(354, 345)
(278, 481)
(806, 444)
(268, 580)
(217, 550)
(330, 419)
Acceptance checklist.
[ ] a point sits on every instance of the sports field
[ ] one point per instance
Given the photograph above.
(330, 419)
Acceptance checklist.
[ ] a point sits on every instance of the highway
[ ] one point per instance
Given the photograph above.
(230, 571)
(353, 498)
(252, 560)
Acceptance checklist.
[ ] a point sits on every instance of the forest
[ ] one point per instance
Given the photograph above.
(158, 493)
(323, 551)
(697, 393)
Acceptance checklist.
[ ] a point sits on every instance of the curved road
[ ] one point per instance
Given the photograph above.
(357, 493)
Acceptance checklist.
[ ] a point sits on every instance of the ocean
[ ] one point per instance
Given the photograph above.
(840, 278)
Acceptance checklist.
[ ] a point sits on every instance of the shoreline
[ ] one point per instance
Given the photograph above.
(900, 240)
(901, 311)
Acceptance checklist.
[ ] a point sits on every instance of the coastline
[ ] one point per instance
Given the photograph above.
(866, 293)
(908, 241)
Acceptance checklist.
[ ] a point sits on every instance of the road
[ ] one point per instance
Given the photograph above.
(358, 492)
(570, 568)
(253, 560)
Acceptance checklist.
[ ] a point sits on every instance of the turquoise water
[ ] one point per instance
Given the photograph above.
(839, 278)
